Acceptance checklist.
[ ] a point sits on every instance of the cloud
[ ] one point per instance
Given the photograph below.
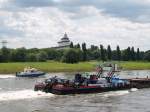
(3, 3)
(43, 27)
(32, 3)
(129, 9)
(41, 23)
(39, 26)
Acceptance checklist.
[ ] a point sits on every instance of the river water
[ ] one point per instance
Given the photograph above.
(17, 95)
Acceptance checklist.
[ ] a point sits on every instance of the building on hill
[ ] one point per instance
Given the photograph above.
(64, 42)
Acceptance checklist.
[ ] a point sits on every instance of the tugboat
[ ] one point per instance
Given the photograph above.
(90, 83)
(30, 72)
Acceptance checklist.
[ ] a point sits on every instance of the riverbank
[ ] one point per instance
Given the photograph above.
(53, 66)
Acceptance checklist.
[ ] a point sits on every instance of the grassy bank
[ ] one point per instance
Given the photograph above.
(52, 66)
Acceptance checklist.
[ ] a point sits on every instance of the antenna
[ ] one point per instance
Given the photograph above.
(4, 43)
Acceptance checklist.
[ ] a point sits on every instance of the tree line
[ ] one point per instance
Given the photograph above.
(73, 54)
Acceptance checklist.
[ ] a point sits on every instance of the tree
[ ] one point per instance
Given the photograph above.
(118, 53)
(125, 55)
(19, 55)
(42, 56)
(96, 54)
(93, 48)
(114, 55)
(52, 53)
(132, 54)
(31, 57)
(59, 54)
(78, 46)
(80, 54)
(84, 51)
(142, 54)
(5, 52)
(103, 58)
(138, 54)
(71, 45)
(128, 53)
(147, 56)
(33, 50)
(109, 53)
(70, 56)
(1, 57)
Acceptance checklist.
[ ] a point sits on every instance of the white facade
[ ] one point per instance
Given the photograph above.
(64, 42)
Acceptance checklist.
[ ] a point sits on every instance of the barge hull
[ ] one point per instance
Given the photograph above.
(86, 90)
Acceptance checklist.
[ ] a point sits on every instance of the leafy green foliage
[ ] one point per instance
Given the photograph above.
(109, 53)
(71, 45)
(84, 49)
(103, 53)
(42, 56)
(5, 54)
(19, 55)
(147, 56)
(82, 54)
(118, 54)
(32, 57)
(71, 56)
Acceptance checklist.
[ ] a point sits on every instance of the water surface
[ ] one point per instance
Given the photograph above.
(17, 95)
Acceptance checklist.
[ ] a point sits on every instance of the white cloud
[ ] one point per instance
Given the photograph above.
(99, 28)
(43, 27)
(3, 3)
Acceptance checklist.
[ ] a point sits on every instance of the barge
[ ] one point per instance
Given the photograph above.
(100, 81)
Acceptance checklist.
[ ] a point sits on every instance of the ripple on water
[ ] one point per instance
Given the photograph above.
(23, 94)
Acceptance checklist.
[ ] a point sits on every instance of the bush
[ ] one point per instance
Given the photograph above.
(19, 55)
(147, 56)
(42, 56)
(71, 56)
(32, 57)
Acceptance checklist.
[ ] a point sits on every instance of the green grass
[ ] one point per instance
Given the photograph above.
(135, 65)
(52, 66)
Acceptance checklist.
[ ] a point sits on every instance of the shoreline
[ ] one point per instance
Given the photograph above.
(67, 72)
(57, 67)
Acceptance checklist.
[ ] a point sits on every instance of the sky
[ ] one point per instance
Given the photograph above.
(41, 23)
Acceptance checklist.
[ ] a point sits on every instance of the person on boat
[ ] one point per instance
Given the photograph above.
(93, 79)
(25, 69)
(33, 70)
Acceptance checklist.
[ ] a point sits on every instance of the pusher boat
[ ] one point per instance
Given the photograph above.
(89, 83)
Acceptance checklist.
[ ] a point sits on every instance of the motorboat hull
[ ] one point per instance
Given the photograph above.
(30, 74)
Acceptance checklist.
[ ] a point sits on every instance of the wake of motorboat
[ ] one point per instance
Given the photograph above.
(7, 76)
(23, 94)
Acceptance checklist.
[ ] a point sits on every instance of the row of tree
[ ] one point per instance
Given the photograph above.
(73, 54)
(22, 55)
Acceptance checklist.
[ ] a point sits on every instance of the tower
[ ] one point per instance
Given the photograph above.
(4, 43)
(64, 42)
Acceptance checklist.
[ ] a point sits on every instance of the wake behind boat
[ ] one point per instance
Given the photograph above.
(30, 72)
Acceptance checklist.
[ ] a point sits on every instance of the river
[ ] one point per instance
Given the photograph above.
(17, 95)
